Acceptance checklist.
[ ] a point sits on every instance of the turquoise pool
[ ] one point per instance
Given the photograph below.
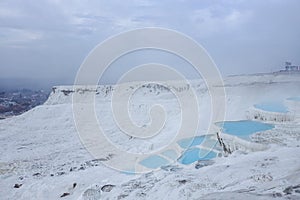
(154, 162)
(272, 107)
(190, 142)
(170, 154)
(244, 128)
(194, 154)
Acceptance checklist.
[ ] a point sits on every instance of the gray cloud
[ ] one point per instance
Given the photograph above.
(48, 39)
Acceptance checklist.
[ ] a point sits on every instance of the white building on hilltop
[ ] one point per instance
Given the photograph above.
(291, 68)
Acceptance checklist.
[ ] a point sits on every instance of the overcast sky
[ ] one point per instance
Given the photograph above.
(47, 40)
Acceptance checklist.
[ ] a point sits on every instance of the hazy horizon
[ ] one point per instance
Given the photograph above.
(43, 43)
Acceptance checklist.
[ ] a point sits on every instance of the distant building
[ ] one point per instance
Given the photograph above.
(291, 68)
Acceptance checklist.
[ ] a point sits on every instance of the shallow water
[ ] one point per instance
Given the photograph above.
(245, 128)
(154, 162)
(242, 129)
(190, 142)
(170, 154)
(194, 154)
(272, 107)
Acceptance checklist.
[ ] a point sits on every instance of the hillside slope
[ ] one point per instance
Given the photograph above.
(42, 157)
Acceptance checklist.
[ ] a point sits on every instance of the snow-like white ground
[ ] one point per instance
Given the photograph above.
(42, 157)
